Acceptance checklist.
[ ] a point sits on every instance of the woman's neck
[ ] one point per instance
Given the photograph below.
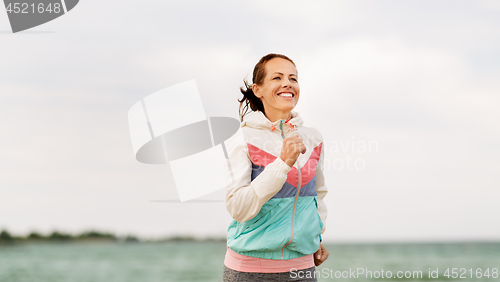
(274, 116)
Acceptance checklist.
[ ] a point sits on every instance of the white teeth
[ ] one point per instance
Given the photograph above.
(285, 94)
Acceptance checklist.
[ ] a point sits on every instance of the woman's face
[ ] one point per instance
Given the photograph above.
(279, 92)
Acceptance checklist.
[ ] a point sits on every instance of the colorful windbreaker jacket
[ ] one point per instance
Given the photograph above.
(278, 211)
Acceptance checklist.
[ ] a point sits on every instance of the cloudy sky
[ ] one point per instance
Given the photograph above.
(405, 93)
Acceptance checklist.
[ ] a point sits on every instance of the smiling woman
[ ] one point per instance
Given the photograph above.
(279, 92)
(275, 182)
(271, 73)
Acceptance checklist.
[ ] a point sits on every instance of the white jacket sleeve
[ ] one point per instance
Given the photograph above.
(244, 197)
(321, 188)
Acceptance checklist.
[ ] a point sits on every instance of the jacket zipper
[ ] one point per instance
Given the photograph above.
(296, 196)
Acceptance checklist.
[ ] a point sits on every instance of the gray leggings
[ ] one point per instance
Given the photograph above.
(304, 275)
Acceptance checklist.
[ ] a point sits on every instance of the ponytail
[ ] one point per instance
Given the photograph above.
(249, 98)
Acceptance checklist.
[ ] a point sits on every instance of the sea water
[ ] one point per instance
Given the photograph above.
(203, 261)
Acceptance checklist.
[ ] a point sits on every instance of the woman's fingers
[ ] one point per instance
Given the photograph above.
(301, 147)
(325, 253)
(320, 255)
(292, 147)
(317, 257)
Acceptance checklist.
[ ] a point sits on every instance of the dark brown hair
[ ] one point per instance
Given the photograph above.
(259, 73)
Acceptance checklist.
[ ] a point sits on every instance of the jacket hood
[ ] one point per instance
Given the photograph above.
(258, 120)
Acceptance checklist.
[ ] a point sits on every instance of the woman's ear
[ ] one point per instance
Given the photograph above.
(256, 90)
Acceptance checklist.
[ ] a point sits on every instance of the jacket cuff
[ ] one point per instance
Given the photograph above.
(282, 166)
(271, 180)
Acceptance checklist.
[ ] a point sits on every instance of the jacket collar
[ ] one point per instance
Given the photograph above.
(258, 120)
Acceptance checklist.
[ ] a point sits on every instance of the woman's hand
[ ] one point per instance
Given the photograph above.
(320, 255)
(292, 147)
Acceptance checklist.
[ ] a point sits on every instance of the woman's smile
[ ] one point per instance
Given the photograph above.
(286, 95)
